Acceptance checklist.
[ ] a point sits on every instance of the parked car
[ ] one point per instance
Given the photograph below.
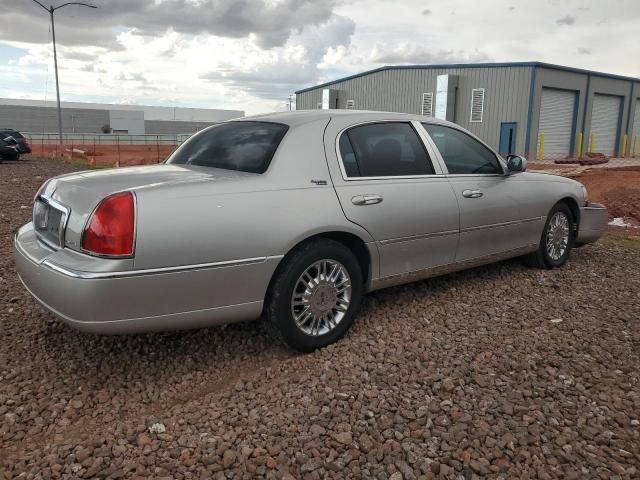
(8, 151)
(295, 216)
(21, 141)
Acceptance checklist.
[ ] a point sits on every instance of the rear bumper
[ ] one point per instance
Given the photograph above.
(128, 302)
(593, 223)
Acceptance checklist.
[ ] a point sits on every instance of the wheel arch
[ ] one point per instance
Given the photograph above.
(365, 255)
(575, 211)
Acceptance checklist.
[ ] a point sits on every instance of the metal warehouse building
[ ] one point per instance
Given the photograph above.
(530, 108)
(36, 116)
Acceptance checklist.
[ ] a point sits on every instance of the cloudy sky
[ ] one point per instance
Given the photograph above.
(251, 54)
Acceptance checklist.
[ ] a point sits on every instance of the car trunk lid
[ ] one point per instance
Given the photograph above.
(66, 202)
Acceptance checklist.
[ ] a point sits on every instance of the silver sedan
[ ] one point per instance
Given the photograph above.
(293, 217)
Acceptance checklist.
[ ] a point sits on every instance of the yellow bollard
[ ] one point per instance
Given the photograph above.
(635, 145)
(541, 148)
(624, 146)
(579, 152)
(592, 142)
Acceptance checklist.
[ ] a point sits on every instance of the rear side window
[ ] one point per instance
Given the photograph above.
(461, 153)
(243, 146)
(384, 150)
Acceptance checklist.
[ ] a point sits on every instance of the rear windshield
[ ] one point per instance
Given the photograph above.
(243, 146)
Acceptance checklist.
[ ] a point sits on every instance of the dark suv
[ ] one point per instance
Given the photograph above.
(23, 145)
(8, 151)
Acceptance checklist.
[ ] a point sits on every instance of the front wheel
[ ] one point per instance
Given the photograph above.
(315, 296)
(557, 239)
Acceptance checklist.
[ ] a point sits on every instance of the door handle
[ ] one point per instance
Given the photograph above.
(366, 199)
(472, 194)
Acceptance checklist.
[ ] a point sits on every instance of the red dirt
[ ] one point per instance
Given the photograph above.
(618, 189)
(107, 155)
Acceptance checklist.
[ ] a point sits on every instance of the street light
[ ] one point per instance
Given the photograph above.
(52, 9)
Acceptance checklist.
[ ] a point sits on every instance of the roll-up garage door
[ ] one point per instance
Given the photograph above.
(604, 123)
(557, 111)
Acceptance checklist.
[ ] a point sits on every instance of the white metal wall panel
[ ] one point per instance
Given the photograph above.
(604, 123)
(557, 110)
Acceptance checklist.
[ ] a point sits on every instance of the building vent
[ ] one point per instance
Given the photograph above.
(350, 105)
(477, 104)
(427, 104)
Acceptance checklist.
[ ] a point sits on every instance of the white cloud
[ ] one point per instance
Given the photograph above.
(250, 54)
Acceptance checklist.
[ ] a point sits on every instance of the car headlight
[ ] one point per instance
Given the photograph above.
(585, 195)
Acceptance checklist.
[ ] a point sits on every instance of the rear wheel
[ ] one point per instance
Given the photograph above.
(557, 239)
(315, 295)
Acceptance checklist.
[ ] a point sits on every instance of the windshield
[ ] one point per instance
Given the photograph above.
(243, 146)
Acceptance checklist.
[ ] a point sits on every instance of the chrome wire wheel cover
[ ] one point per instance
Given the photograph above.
(558, 236)
(321, 297)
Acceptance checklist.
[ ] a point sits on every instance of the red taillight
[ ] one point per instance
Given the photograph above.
(110, 230)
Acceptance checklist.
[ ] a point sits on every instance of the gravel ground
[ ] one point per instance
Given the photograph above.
(499, 372)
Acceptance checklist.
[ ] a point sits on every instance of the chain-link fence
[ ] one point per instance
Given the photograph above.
(106, 149)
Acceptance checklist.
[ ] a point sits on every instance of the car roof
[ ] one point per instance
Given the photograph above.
(300, 117)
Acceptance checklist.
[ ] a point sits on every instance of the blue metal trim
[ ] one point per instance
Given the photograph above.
(527, 141)
(616, 151)
(474, 65)
(574, 126)
(587, 95)
(628, 131)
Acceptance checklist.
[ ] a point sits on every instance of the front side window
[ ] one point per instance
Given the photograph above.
(243, 146)
(462, 153)
(384, 150)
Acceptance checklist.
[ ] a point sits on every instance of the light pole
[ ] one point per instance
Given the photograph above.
(52, 9)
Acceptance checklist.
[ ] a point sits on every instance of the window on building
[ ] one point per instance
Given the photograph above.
(461, 153)
(427, 104)
(477, 105)
(384, 150)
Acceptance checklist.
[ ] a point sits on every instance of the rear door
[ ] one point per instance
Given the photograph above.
(498, 212)
(388, 184)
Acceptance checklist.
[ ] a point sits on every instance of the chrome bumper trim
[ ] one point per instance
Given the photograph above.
(153, 271)
(593, 223)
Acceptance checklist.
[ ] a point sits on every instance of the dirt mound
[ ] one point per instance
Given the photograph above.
(624, 202)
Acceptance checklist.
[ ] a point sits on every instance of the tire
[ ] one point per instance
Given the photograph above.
(552, 254)
(295, 301)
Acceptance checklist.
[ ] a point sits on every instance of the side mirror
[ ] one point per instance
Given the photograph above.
(516, 163)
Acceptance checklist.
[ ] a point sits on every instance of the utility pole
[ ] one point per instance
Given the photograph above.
(290, 101)
(51, 10)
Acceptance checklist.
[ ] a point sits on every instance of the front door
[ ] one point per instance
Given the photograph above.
(507, 138)
(494, 216)
(386, 182)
